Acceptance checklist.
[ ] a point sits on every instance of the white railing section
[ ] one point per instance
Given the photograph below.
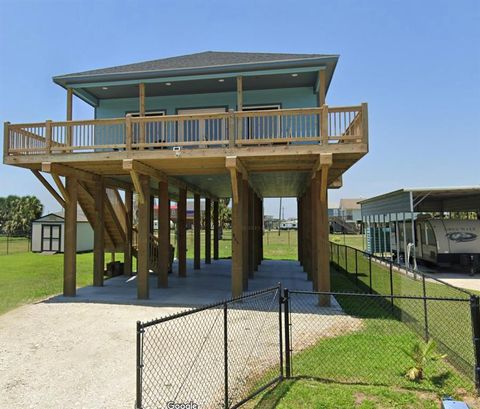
(325, 125)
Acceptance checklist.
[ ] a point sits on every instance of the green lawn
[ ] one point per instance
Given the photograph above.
(363, 368)
(13, 245)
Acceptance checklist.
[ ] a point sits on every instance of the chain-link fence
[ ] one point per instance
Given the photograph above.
(14, 244)
(371, 339)
(215, 356)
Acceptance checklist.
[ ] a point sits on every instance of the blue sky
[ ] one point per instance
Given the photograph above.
(417, 64)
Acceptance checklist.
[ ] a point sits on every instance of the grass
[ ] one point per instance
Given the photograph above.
(364, 368)
(14, 245)
(352, 240)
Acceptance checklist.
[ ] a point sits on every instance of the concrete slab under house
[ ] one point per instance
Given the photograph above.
(212, 125)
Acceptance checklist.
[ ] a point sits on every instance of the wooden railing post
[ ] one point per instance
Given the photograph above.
(48, 136)
(324, 125)
(128, 132)
(231, 128)
(6, 138)
(365, 123)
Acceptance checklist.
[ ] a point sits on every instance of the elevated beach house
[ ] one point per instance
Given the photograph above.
(212, 125)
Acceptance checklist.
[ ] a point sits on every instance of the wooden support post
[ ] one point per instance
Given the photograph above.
(163, 234)
(48, 136)
(69, 115)
(314, 232)
(299, 231)
(322, 87)
(256, 228)
(182, 232)
(251, 233)
(307, 262)
(127, 268)
(208, 231)
(141, 92)
(324, 125)
(70, 239)
(196, 231)
(261, 231)
(143, 239)
(99, 234)
(237, 237)
(215, 229)
(323, 269)
(240, 107)
(245, 237)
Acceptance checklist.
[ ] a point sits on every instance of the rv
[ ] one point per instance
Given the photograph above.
(439, 241)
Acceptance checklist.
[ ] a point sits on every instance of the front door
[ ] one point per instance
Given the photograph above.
(51, 234)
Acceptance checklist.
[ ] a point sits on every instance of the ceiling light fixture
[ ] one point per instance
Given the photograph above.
(221, 80)
(104, 88)
(168, 84)
(295, 75)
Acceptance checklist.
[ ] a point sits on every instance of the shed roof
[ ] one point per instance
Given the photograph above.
(424, 199)
(81, 218)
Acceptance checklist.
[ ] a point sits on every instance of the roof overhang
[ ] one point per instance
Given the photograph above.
(266, 75)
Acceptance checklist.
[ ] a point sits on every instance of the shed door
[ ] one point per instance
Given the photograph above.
(51, 237)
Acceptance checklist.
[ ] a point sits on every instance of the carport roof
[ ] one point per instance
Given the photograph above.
(424, 199)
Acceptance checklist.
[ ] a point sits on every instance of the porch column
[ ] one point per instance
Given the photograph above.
(143, 238)
(208, 231)
(141, 109)
(196, 231)
(182, 232)
(322, 87)
(215, 229)
(237, 234)
(69, 116)
(127, 255)
(245, 237)
(99, 234)
(163, 234)
(70, 238)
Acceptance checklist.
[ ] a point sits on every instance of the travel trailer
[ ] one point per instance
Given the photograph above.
(440, 241)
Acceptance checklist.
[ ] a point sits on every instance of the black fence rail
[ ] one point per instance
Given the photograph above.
(15, 243)
(448, 322)
(214, 356)
(369, 339)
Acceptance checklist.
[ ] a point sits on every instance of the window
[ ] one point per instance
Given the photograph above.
(262, 127)
(154, 131)
(202, 129)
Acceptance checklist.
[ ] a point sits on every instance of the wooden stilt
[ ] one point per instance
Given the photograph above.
(245, 237)
(323, 269)
(99, 235)
(182, 232)
(127, 267)
(299, 231)
(215, 229)
(70, 239)
(208, 231)
(163, 234)
(143, 239)
(251, 233)
(314, 238)
(261, 231)
(196, 231)
(237, 236)
(307, 263)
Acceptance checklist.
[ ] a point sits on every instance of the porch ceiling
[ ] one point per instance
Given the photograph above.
(210, 85)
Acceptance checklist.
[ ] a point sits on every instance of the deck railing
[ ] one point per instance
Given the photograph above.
(325, 125)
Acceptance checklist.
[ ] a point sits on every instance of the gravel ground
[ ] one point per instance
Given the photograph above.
(70, 355)
(82, 355)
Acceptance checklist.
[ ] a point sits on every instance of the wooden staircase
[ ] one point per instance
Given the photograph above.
(115, 215)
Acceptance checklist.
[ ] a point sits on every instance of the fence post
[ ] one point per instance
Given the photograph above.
(370, 271)
(475, 313)
(286, 310)
(225, 352)
(346, 259)
(356, 266)
(425, 308)
(138, 403)
(280, 303)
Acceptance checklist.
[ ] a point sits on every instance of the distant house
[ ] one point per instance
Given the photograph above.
(48, 233)
(345, 218)
(349, 209)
